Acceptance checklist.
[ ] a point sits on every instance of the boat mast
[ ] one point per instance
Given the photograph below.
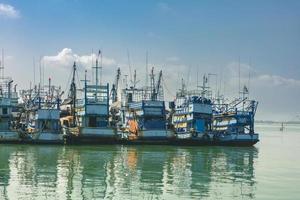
(129, 65)
(85, 91)
(239, 77)
(9, 88)
(152, 82)
(146, 83)
(204, 87)
(158, 87)
(134, 79)
(73, 95)
(115, 86)
(2, 64)
(97, 68)
(49, 98)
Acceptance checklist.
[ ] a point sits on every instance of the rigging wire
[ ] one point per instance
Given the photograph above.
(166, 88)
(69, 81)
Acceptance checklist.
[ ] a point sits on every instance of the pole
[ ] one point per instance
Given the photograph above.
(239, 78)
(146, 84)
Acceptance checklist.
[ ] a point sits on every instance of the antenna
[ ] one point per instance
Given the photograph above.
(239, 76)
(129, 65)
(204, 87)
(126, 84)
(92, 58)
(197, 85)
(97, 67)
(152, 76)
(33, 71)
(249, 76)
(216, 75)
(182, 90)
(2, 64)
(49, 82)
(100, 66)
(43, 67)
(220, 83)
(134, 79)
(40, 69)
(224, 84)
(188, 76)
(146, 83)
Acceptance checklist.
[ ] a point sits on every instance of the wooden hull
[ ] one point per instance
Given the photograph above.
(94, 136)
(44, 138)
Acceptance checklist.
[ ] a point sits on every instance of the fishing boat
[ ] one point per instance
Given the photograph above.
(233, 122)
(192, 113)
(8, 102)
(143, 114)
(40, 120)
(91, 116)
(198, 119)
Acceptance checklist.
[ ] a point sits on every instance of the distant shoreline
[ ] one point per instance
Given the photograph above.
(277, 122)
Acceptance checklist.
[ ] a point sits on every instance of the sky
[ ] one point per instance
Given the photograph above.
(185, 39)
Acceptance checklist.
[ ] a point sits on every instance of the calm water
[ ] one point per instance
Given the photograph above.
(270, 170)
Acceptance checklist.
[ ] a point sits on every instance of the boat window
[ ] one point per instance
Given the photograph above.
(92, 121)
(45, 125)
(66, 123)
(4, 111)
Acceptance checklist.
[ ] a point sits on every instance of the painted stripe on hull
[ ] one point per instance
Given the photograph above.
(155, 134)
(94, 136)
(97, 132)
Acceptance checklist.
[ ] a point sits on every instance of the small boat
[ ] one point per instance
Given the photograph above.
(46, 129)
(40, 120)
(8, 101)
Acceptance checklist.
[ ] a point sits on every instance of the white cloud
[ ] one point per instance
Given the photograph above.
(8, 11)
(59, 67)
(66, 57)
(277, 95)
(259, 78)
(276, 80)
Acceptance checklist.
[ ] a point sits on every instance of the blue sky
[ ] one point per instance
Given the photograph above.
(181, 37)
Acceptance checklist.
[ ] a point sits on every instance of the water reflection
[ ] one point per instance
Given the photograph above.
(135, 172)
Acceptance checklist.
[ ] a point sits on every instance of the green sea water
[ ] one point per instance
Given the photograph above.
(269, 170)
